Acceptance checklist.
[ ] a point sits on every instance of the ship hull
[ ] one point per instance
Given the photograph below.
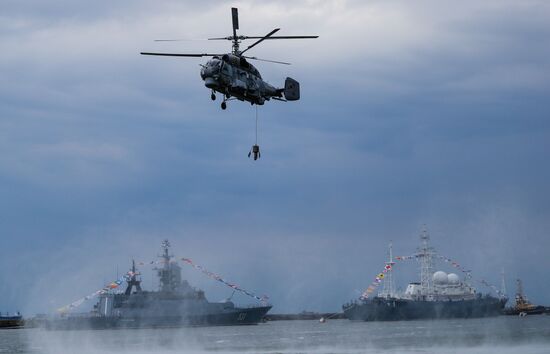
(535, 310)
(379, 309)
(243, 316)
(11, 322)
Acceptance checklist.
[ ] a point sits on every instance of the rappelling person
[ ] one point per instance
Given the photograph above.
(255, 151)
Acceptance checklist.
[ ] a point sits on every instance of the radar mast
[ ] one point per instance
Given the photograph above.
(426, 253)
(132, 280)
(503, 290)
(389, 287)
(165, 272)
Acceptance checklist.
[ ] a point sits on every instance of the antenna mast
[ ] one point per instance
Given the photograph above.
(165, 246)
(164, 272)
(388, 290)
(502, 284)
(520, 298)
(133, 280)
(426, 253)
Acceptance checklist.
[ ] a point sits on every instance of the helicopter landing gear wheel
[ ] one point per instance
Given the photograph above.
(213, 96)
(224, 105)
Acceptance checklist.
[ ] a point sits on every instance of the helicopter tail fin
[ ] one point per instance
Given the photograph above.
(292, 89)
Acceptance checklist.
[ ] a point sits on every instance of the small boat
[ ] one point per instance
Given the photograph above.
(523, 307)
(7, 321)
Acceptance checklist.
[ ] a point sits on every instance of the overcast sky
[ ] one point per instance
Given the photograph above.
(412, 113)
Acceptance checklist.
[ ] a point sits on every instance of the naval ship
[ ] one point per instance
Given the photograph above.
(438, 295)
(175, 304)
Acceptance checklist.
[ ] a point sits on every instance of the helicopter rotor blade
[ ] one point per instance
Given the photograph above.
(180, 40)
(269, 61)
(235, 19)
(284, 37)
(259, 37)
(180, 54)
(261, 40)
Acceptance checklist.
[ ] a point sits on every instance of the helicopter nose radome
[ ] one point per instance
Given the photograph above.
(210, 83)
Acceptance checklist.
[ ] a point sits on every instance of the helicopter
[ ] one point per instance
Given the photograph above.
(234, 77)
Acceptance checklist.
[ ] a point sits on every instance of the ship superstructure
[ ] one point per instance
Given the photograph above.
(436, 295)
(175, 303)
(436, 285)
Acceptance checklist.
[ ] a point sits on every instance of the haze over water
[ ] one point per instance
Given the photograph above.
(412, 113)
(491, 335)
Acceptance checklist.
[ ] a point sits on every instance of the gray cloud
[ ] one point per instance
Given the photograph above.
(433, 112)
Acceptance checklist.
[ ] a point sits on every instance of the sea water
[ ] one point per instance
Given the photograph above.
(512, 334)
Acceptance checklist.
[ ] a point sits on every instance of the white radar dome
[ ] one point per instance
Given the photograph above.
(440, 277)
(452, 278)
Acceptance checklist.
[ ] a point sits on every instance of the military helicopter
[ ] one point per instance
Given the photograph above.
(234, 77)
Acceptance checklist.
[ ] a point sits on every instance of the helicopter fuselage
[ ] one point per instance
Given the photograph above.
(234, 76)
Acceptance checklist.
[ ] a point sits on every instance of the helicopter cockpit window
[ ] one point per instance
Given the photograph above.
(214, 63)
(255, 72)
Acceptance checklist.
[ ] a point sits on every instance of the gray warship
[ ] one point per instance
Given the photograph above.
(175, 304)
(438, 295)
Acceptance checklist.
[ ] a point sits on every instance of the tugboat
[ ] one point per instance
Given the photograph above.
(175, 304)
(438, 295)
(13, 321)
(522, 306)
